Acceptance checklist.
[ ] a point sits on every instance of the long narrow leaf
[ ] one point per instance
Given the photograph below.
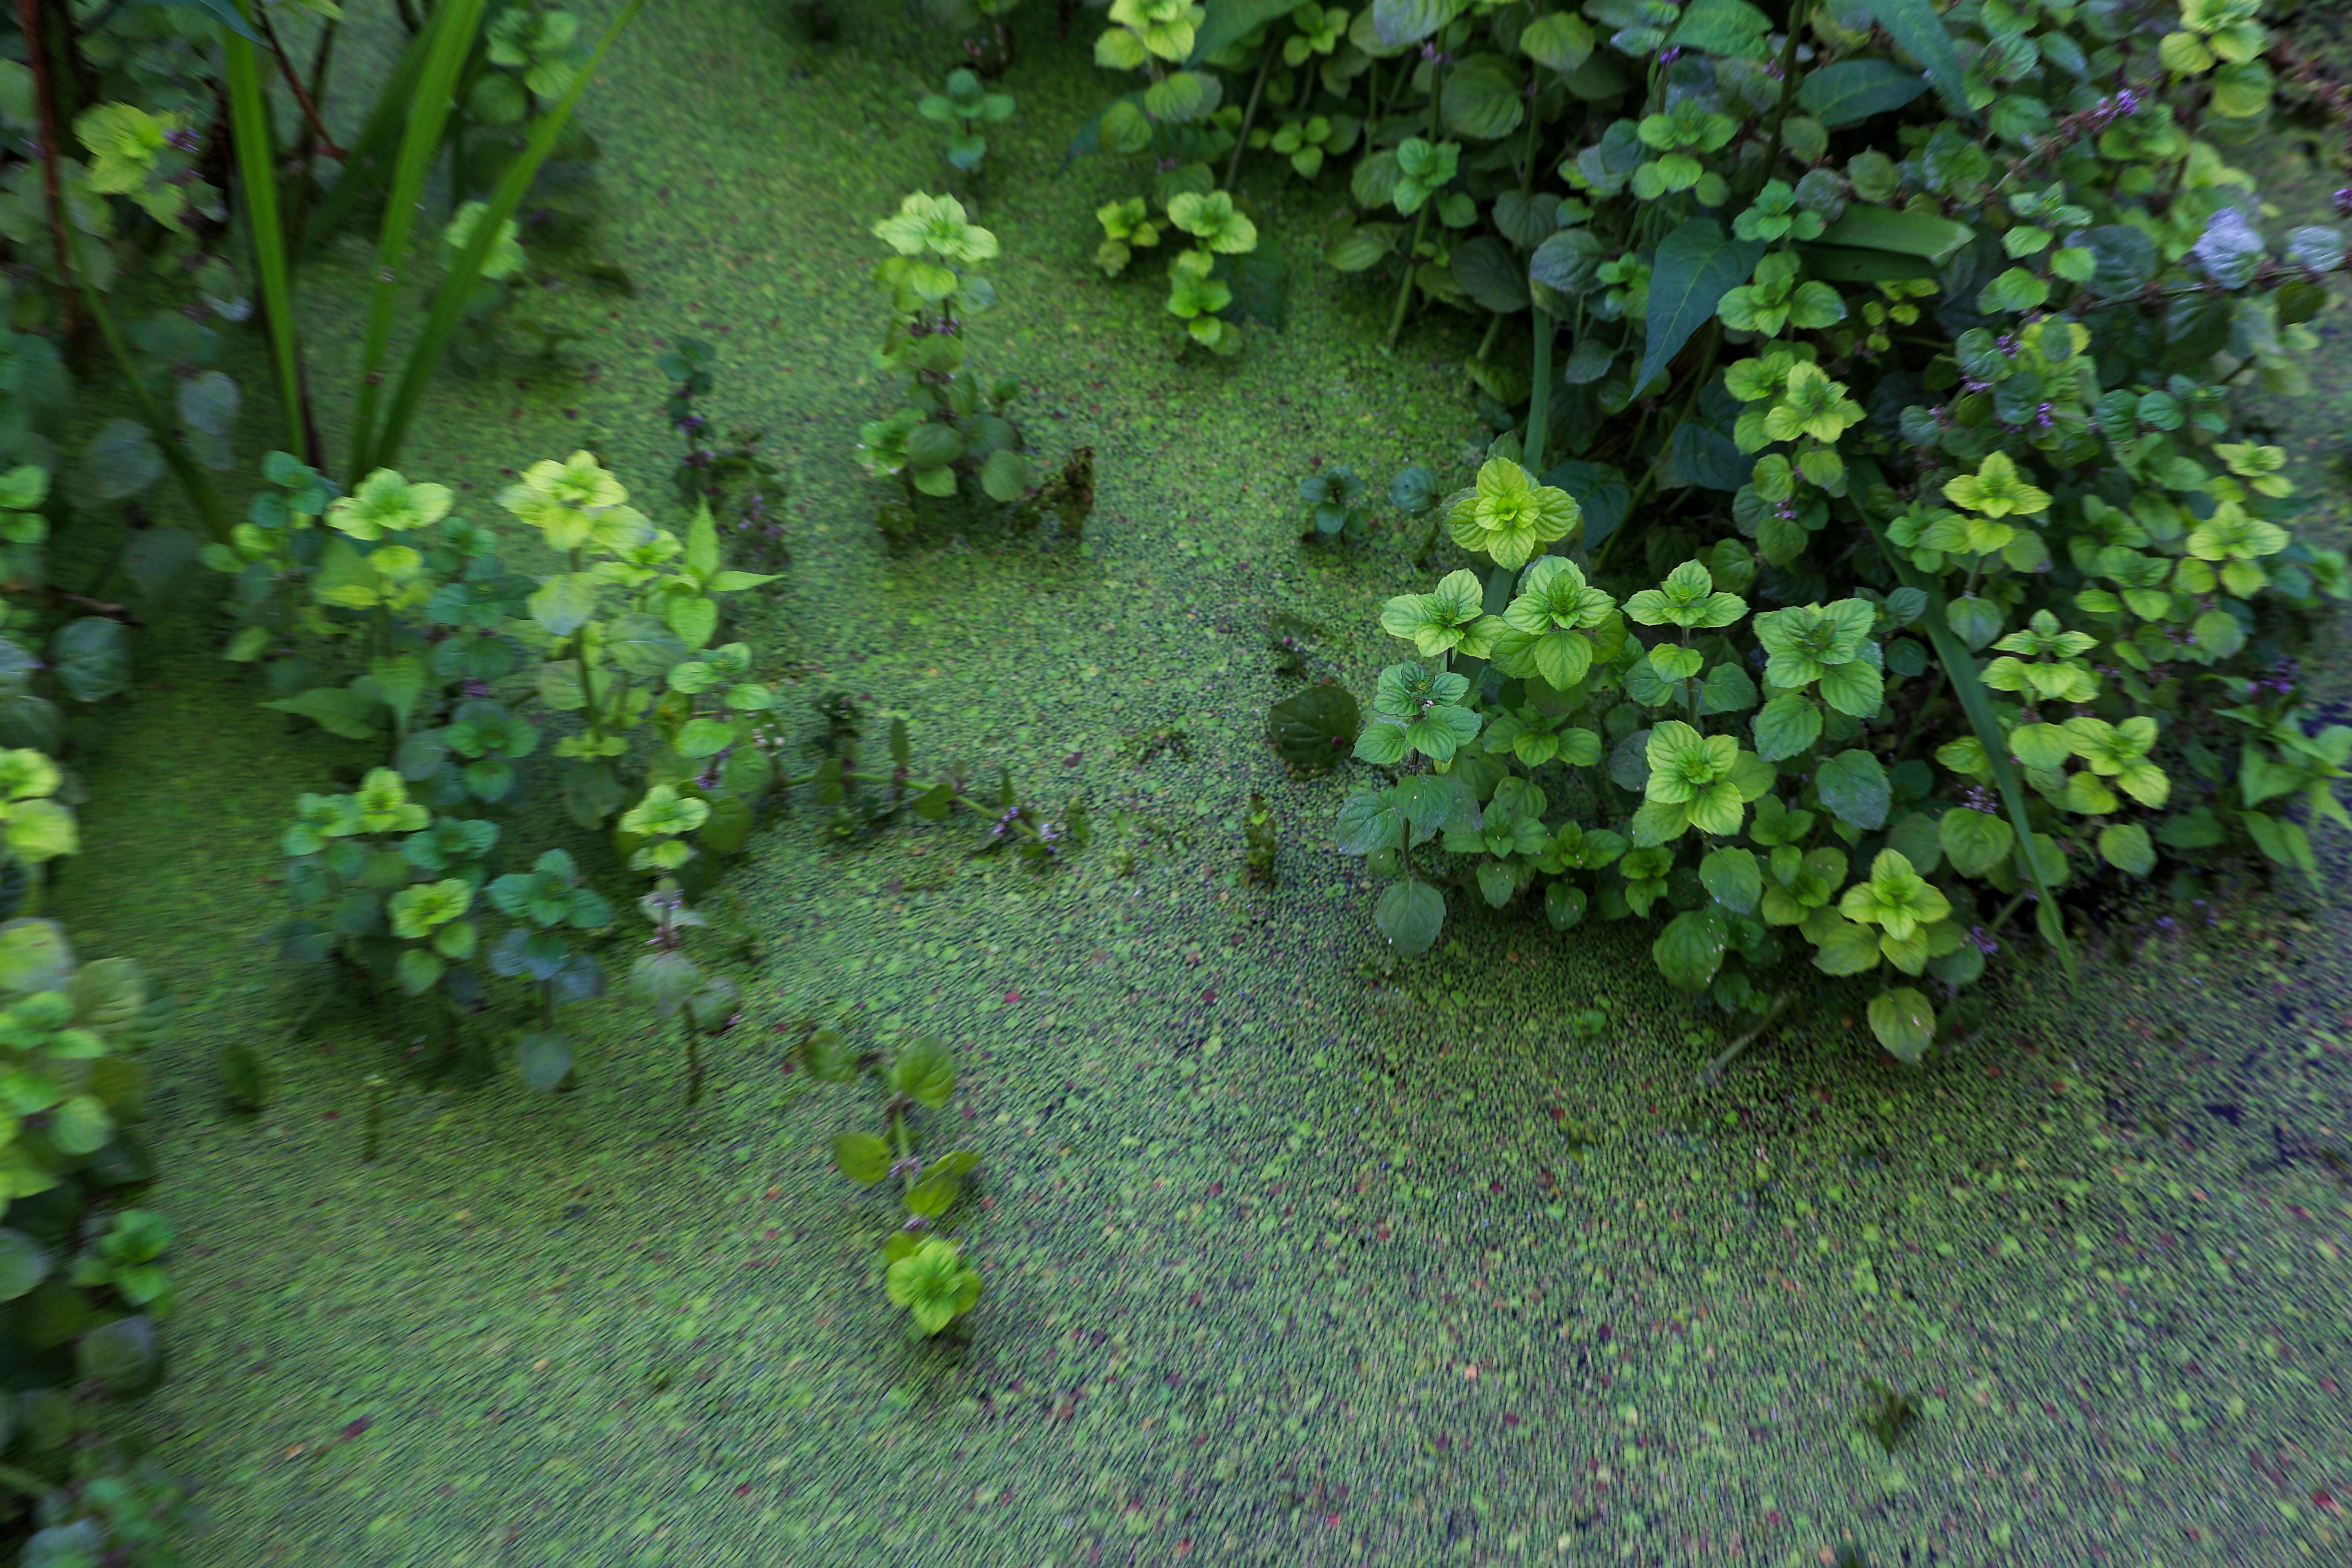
(193, 477)
(1960, 669)
(449, 304)
(257, 168)
(371, 154)
(457, 23)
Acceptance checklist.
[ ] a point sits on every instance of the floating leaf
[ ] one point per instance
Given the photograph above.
(861, 1156)
(1312, 730)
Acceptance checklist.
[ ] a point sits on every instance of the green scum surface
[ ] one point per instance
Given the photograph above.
(1286, 1262)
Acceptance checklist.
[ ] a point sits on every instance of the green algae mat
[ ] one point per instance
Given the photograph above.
(1290, 1257)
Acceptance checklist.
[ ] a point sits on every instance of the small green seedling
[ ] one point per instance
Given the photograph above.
(963, 109)
(1262, 847)
(1339, 504)
(927, 1274)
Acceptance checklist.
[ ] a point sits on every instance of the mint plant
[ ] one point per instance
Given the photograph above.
(964, 107)
(924, 1272)
(952, 430)
(1928, 618)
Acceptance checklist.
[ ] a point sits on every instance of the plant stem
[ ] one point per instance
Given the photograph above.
(1797, 9)
(28, 14)
(1499, 578)
(899, 1141)
(1405, 289)
(294, 83)
(258, 177)
(1241, 137)
(1712, 1072)
(1421, 219)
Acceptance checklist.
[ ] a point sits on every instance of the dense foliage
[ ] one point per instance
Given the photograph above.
(1956, 576)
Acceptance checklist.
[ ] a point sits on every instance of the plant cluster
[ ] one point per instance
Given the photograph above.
(80, 1263)
(952, 431)
(1951, 610)
(461, 669)
(128, 122)
(615, 665)
(964, 107)
(924, 1272)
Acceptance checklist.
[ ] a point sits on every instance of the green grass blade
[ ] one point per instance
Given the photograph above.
(257, 175)
(456, 23)
(183, 462)
(449, 304)
(370, 155)
(1960, 670)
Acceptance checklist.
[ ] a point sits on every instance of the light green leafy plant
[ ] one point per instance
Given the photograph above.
(952, 430)
(923, 1272)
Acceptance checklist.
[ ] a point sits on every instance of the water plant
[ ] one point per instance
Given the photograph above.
(924, 1272)
(964, 106)
(1339, 503)
(952, 429)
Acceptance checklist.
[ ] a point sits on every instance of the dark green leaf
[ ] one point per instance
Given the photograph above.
(544, 1060)
(1600, 489)
(1410, 914)
(121, 461)
(1731, 27)
(159, 561)
(337, 709)
(1691, 949)
(829, 1058)
(1313, 729)
(124, 1355)
(1695, 266)
(1855, 787)
(1904, 1022)
(92, 657)
(24, 1263)
(1231, 21)
(1733, 879)
(1486, 271)
(1854, 91)
(925, 1070)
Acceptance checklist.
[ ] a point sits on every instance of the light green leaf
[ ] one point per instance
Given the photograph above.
(1409, 915)
(925, 1070)
(1904, 1022)
(861, 1156)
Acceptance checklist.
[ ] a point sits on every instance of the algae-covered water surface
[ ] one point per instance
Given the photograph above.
(1293, 1253)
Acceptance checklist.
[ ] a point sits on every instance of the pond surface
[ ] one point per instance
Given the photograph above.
(1288, 1260)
